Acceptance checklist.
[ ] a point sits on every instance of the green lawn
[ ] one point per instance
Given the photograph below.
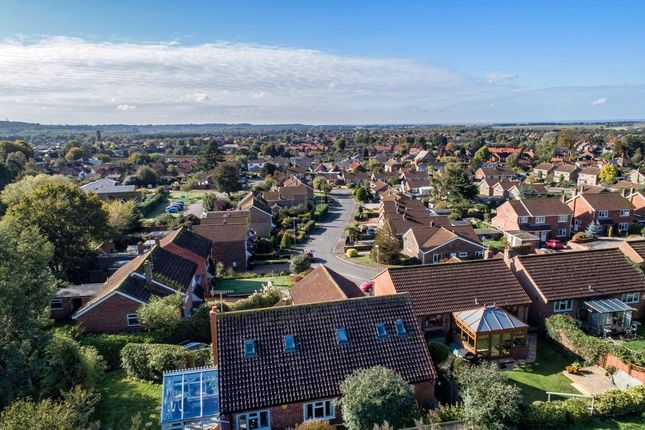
(544, 375)
(364, 259)
(249, 285)
(187, 197)
(495, 244)
(123, 398)
(627, 423)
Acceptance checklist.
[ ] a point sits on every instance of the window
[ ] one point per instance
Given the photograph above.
(603, 214)
(463, 254)
(249, 348)
(563, 305)
(624, 212)
(133, 320)
(623, 226)
(400, 328)
(436, 258)
(341, 335)
(258, 420)
(381, 331)
(479, 253)
(562, 232)
(539, 220)
(433, 321)
(631, 297)
(563, 218)
(289, 343)
(524, 219)
(56, 305)
(322, 410)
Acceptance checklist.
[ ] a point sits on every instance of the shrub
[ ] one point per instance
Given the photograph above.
(299, 263)
(438, 351)
(315, 425)
(578, 236)
(444, 413)
(545, 415)
(109, 346)
(573, 368)
(351, 253)
(148, 361)
(260, 299)
(285, 242)
(161, 314)
(617, 403)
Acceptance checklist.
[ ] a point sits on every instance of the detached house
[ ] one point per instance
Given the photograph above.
(542, 170)
(323, 285)
(589, 176)
(281, 366)
(230, 233)
(606, 209)
(499, 173)
(261, 221)
(431, 245)
(566, 173)
(546, 218)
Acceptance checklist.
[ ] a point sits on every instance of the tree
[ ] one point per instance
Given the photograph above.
(299, 263)
(123, 217)
(593, 230)
(361, 194)
(227, 177)
(26, 288)
(210, 155)
(511, 160)
(374, 396)
(14, 192)
(268, 169)
(490, 401)
(214, 203)
(608, 173)
(147, 176)
(483, 154)
(74, 154)
(352, 232)
(566, 139)
(285, 242)
(388, 246)
(545, 149)
(452, 184)
(71, 219)
(161, 314)
(318, 183)
(526, 191)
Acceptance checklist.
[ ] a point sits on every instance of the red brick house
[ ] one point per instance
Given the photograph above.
(437, 291)
(569, 282)
(431, 245)
(634, 250)
(323, 285)
(606, 209)
(261, 217)
(589, 176)
(281, 366)
(230, 234)
(547, 218)
(68, 300)
(499, 173)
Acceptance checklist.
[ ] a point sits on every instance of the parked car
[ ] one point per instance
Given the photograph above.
(554, 244)
(192, 346)
(367, 287)
(172, 209)
(370, 231)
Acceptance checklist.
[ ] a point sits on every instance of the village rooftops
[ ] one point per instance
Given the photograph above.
(540, 207)
(323, 285)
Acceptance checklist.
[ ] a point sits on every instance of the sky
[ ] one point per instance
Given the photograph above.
(321, 62)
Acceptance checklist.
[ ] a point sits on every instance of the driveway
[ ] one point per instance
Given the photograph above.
(327, 239)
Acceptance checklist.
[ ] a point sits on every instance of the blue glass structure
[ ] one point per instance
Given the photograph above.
(190, 397)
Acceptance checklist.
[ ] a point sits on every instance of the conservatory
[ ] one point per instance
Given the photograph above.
(491, 332)
(606, 317)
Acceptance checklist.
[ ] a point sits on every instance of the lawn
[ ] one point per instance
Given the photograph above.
(364, 260)
(123, 398)
(495, 244)
(627, 423)
(535, 379)
(249, 285)
(187, 197)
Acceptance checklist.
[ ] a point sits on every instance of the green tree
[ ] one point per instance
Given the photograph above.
(452, 184)
(26, 288)
(545, 149)
(299, 263)
(388, 246)
(69, 218)
(490, 401)
(74, 154)
(566, 139)
(14, 192)
(285, 242)
(227, 177)
(374, 396)
(210, 155)
(608, 173)
(352, 232)
(361, 194)
(147, 176)
(526, 191)
(161, 314)
(483, 154)
(123, 217)
(593, 230)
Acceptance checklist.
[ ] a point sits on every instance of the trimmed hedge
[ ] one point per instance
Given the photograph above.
(109, 346)
(321, 211)
(147, 207)
(148, 361)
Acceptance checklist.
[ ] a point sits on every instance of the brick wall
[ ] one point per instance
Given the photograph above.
(110, 316)
(634, 371)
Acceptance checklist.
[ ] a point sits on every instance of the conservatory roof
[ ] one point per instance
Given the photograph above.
(605, 306)
(190, 395)
(488, 319)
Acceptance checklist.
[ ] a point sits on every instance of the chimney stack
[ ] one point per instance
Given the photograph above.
(488, 253)
(140, 247)
(563, 198)
(213, 323)
(148, 268)
(157, 242)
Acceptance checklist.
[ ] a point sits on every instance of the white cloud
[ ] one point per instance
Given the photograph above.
(600, 101)
(495, 78)
(96, 82)
(125, 108)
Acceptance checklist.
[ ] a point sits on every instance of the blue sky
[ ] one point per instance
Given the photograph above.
(321, 62)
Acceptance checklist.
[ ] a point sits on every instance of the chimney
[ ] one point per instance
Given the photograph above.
(157, 242)
(507, 256)
(213, 323)
(140, 247)
(148, 268)
(488, 253)
(563, 198)
(189, 226)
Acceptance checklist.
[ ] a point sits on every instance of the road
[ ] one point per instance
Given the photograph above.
(325, 241)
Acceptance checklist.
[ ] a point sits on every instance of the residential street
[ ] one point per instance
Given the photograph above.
(326, 240)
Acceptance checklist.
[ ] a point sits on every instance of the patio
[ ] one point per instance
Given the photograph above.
(591, 380)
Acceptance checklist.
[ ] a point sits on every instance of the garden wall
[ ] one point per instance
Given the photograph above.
(636, 372)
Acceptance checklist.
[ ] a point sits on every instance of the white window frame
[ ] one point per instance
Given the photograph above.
(562, 232)
(623, 226)
(328, 407)
(479, 253)
(130, 317)
(523, 220)
(463, 254)
(631, 297)
(436, 258)
(540, 220)
(565, 305)
(57, 301)
(603, 213)
(625, 212)
(563, 218)
(254, 415)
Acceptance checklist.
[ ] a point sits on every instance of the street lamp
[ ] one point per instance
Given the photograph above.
(378, 257)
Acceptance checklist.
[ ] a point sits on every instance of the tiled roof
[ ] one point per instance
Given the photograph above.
(606, 201)
(323, 285)
(189, 241)
(590, 171)
(320, 363)
(568, 275)
(540, 207)
(566, 168)
(219, 233)
(138, 288)
(638, 246)
(166, 264)
(431, 237)
(250, 200)
(441, 288)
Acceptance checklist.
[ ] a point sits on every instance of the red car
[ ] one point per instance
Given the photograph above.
(554, 244)
(367, 287)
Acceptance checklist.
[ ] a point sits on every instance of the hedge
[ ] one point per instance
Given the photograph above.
(321, 211)
(148, 361)
(109, 346)
(147, 207)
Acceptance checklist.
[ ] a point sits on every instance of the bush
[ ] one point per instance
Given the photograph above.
(299, 263)
(109, 346)
(444, 413)
(315, 425)
(260, 299)
(148, 361)
(618, 403)
(578, 236)
(147, 207)
(438, 351)
(545, 415)
(162, 314)
(351, 253)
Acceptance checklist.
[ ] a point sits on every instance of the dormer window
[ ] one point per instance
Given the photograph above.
(249, 348)
(289, 343)
(381, 331)
(341, 335)
(400, 328)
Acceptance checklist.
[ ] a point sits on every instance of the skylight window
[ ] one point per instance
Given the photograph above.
(289, 343)
(249, 348)
(341, 334)
(400, 328)
(381, 331)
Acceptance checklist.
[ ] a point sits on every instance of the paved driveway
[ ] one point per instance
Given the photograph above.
(327, 240)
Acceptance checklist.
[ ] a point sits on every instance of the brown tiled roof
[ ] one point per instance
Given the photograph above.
(431, 237)
(226, 217)
(590, 171)
(319, 364)
(568, 275)
(441, 288)
(638, 246)
(607, 201)
(189, 241)
(218, 233)
(567, 168)
(250, 200)
(540, 207)
(323, 285)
